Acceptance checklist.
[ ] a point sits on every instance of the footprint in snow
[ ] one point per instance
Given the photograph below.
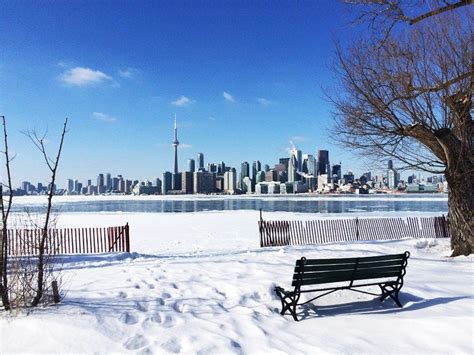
(156, 318)
(122, 294)
(128, 318)
(160, 301)
(135, 342)
(172, 346)
(141, 307)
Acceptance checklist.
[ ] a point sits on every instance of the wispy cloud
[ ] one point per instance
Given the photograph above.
(185, 146)
(228, 97)
(80, 76)
(100, 116)
(264, 102)
(182, 101)
(211, 118)
(297, 139)
(127, 73)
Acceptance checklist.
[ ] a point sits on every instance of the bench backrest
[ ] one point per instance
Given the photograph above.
(320, 271)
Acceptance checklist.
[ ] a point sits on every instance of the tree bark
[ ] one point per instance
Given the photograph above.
(460, 215)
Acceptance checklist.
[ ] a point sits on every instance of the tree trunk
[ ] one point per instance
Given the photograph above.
(460, 216)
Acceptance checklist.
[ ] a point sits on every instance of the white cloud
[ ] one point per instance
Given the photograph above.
(185, 146)
(182, 101)
(80, 76)
(103, 117)
(264, 102)
(297, 139)
(211, 118)
(228, 97)
(127, 73)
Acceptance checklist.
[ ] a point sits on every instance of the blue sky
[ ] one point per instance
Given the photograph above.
(245, 80)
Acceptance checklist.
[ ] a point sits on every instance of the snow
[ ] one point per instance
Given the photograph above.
(199, 283)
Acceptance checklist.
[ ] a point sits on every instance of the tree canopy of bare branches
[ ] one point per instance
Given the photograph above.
(407, 94)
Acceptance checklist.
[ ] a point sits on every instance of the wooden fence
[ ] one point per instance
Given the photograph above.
(22, 242)
(279, 233)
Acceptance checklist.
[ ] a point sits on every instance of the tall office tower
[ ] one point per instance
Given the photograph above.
(221, 168)
(108, 182)
(299, 159)
(166, 182)
(390, 164)
(230, 181)
(100, 184)
(336, 172)
(77, 189)
(285, 162)
(266, 168)
(115, 184)
(212, 168)
(70, 185)
(187, 182)
(121, 184)
(89, 182)
(244, 172)
(310, 162)
(191, 165)
(204, 182)
(201, 161)
(256, 167)
(292, 168)
(176, 183)
(128, 185)
(323, 162)
(393, 177)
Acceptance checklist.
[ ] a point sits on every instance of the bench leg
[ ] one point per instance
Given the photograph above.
(392, 293)
(288, 303)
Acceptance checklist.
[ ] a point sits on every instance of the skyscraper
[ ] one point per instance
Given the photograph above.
(201, 161)
(244, 172)
(292, 168)
(323, 162)
(191, 165)
(176, 184)
(256, 167)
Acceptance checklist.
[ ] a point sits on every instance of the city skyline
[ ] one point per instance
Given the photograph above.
(241, 91)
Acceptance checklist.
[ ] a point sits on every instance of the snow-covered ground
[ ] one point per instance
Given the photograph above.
(199, 283)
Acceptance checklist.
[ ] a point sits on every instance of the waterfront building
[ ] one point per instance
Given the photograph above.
(299, 159)
(271, 175)
(285, 162)
(100, 184)
(191, 165)
(336, 172)
(292, 168)
(230, 181)
(247, 185)
(204, 182)
(256, 167)
(200, 160)
(393, 177)
(323, 162)
(70, 186)
(108, 182)
(260, 177)
(244, 172)
(187, 185)
(166, 184)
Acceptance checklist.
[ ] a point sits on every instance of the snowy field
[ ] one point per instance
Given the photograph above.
(199, 283)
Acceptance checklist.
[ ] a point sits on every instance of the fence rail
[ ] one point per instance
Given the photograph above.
(22, 242)
(320, 231)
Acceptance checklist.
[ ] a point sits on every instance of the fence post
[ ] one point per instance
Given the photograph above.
(127, 238)
(357, 228)
(260, 229)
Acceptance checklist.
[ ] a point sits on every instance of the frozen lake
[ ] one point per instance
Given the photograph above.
(437, 203)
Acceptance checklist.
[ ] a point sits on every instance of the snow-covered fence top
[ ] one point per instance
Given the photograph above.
(70, 240)
(320, 231)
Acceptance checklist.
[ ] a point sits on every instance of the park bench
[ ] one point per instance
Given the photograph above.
(386, 271)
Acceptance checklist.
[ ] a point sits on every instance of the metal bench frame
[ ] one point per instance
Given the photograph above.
(390, 286)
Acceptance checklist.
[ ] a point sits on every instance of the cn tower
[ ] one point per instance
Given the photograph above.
(175, 146)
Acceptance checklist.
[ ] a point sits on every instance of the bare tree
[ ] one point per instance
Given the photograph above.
(52, 164)
(5, 209)
(407, 93)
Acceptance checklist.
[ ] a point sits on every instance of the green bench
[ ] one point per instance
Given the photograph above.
(386, 271)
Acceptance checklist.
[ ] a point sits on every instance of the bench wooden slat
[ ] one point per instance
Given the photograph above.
(347, 273)
(346, 278)
(368, 259)
(348, 266)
